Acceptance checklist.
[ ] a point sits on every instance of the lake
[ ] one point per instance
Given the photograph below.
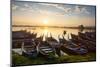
(47, 30)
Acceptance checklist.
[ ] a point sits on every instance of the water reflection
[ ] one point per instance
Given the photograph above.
(46, 31)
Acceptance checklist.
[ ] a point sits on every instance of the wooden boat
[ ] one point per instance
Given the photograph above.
(74, 38)
(62, 40)
(54, 44)
(84, 41)
(74, 51)
(91, 34)
(29, 49)
(71, 48)
(21, 36)
(38, 39)
(87, 36)
(33, 35)
(52, 41)
(45, 49)
(81, 37)
(90, 46)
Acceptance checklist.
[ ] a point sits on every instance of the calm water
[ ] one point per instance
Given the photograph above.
(46, 31)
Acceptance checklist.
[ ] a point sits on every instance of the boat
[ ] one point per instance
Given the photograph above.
(45, 49)
(87, 36)
(75, 38)
(52, 41)
(62, 40)
(91, 35)
(85, 41)
(54, 44)
(73, 49)
(90, 46)
(70, 47)
(29, 49)
(38, 39)
(21, 36)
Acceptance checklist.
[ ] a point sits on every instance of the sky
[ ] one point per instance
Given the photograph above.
(52, 14)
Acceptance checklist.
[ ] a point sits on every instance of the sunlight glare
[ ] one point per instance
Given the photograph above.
(45, 21)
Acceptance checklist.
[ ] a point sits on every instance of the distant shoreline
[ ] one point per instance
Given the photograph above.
(86, 27)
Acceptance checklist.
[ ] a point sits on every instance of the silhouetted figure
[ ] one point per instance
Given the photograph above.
(64, 32)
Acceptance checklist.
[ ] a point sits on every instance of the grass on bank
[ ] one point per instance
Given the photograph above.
(22, 60)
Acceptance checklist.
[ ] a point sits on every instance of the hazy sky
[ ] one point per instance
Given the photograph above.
(32, 13)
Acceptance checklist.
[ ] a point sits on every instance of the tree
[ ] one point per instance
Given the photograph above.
(81, 27)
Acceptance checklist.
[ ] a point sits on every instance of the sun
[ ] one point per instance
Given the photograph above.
(45, 21)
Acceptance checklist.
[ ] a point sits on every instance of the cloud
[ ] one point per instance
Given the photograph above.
(14, 7)
(50, 13)
(68, 10)
(84, 10)
(26, 5)
(24, 8)
(79, 9)
(46, 12)
(58, 6)
(61, 10)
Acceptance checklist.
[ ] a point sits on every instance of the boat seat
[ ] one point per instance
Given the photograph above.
(47, 49)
